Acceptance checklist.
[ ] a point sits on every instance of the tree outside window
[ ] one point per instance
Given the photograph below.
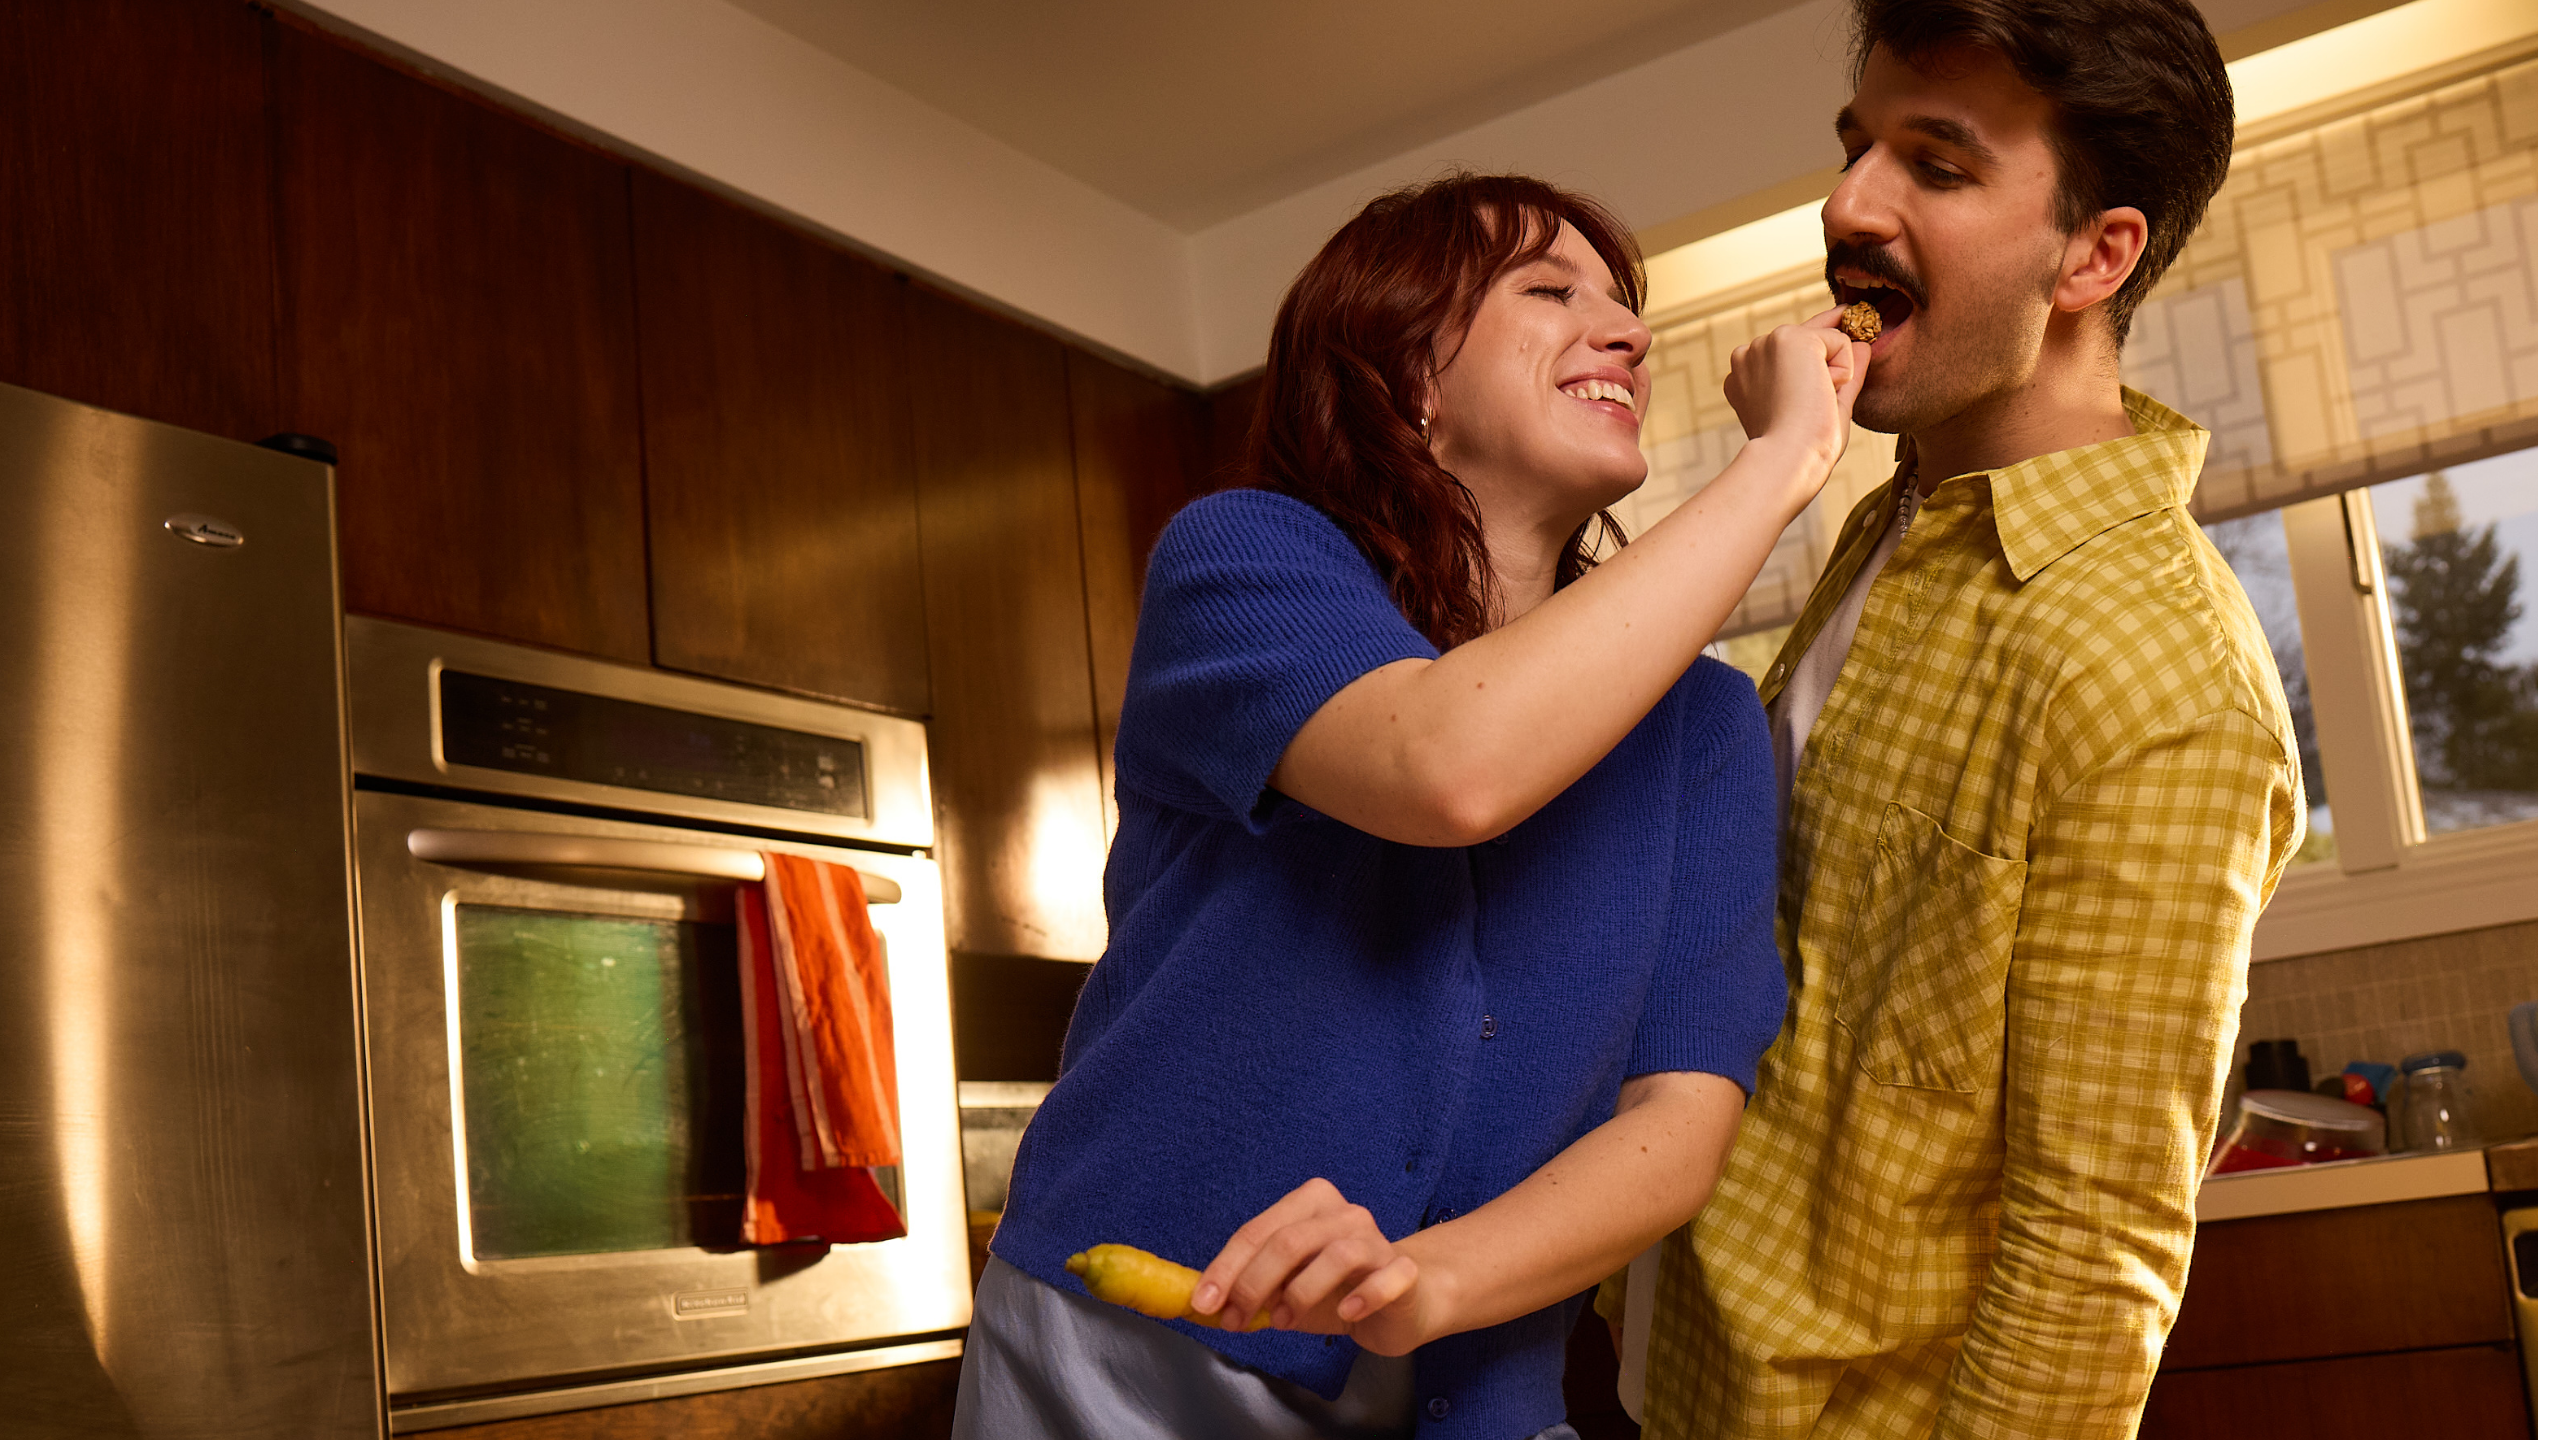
(2459, 554)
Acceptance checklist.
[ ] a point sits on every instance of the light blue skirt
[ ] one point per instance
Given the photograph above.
(1043, 1364)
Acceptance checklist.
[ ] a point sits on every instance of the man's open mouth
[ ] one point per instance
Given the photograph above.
(1893, 305)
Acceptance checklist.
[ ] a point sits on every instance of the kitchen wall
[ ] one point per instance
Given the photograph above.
(2387, 1002)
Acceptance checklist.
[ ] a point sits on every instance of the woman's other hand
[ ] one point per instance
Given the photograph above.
(1797, 383)
(1319, 1264)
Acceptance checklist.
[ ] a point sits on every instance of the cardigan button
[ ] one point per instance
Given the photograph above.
(1438, 1408)
(1490, 1026)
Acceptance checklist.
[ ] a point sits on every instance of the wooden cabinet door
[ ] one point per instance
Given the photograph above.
(1141, 454)
(781, 455)
(2475, 1392)
(2363, 1278)
(457, 318)
(139, 244)
(1016, 763)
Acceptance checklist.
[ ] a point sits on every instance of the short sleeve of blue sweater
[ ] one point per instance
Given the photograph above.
(1257, 610)
(1718, 993)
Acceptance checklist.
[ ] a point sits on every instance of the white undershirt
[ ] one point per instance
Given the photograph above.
(1791, 719)
(1818, 669)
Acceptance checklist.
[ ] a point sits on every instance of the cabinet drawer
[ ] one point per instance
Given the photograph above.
(2414, 1275)
(2474, 1391)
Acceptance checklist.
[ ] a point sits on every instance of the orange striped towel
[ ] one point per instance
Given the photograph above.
(822, 1083)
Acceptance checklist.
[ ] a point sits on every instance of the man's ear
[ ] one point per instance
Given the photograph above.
(2096, 261)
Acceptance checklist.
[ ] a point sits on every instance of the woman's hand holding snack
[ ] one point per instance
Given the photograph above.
(1796, 385)
(1319, 1264)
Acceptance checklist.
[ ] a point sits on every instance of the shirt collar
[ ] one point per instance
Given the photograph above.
(2047, 506)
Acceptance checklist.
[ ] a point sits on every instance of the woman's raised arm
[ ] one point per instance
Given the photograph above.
(1457, 750)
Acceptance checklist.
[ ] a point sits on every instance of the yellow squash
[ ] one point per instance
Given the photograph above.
(1151, 1285)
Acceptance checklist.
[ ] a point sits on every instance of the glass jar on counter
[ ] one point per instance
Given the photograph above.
(2433, 1103)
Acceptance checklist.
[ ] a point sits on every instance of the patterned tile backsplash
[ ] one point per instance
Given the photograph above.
(2386, 1002)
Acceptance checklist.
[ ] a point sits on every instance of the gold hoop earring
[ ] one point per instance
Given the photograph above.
(1426, 424)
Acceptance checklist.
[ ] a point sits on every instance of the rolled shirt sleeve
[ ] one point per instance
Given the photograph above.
(2130, 962)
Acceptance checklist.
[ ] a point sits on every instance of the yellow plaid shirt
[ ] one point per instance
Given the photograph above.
(2032, 827)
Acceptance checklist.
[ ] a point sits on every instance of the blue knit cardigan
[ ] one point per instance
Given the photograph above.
(1285, 996)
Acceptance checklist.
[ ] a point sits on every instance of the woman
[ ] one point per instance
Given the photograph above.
(1441, 953)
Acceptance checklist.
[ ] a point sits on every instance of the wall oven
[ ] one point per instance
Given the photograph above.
(548, 852)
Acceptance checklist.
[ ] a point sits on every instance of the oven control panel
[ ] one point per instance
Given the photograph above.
(469, 714)
(544, 730)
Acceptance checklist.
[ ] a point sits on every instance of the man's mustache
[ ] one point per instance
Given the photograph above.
(1877, 261)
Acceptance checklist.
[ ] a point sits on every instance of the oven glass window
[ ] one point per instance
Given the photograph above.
(603, 1082)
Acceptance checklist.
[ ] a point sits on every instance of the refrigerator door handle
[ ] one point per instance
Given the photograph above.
(591, 852)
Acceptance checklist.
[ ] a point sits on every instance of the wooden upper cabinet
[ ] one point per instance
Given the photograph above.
(1231, 408)
(457, 319)
(1141, 454)
(1015, 755)
(781, 455)
(138, 248)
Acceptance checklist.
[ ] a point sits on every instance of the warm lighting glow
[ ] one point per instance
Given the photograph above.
(1066, 844)
(449, 920)
(2365, 52)
(83, 705)
(1788, 240)
(2320, 67)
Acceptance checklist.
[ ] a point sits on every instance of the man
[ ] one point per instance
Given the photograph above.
(2040, 780)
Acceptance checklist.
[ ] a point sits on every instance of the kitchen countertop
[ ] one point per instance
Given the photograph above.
(2380, 1180)
(2512, 1167)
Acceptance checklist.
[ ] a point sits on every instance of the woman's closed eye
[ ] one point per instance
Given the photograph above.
(1561, 293)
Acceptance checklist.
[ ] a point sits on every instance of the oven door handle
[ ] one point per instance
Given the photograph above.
(596, 852)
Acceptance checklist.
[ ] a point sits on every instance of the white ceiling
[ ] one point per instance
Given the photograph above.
(1196, 112)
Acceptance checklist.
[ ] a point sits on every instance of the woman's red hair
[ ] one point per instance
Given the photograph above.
(1352, 355)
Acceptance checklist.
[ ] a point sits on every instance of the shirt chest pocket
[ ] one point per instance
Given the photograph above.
(1925, 974)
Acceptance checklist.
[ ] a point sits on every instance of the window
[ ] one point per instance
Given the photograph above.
(2458, 555)
(2253, 546)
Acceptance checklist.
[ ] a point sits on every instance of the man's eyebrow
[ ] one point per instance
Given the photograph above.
(1954, 133)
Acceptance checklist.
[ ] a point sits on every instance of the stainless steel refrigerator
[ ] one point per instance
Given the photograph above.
(183, 1236)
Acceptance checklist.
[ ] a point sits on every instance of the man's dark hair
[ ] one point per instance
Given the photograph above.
(2141, 103)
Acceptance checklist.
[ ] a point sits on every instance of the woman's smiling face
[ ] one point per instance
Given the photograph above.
(1546, 394)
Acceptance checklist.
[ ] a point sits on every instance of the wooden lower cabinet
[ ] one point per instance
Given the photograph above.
(2361, 1320)
(2475, 1392)
(905, 1402)
(2361, 1279)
